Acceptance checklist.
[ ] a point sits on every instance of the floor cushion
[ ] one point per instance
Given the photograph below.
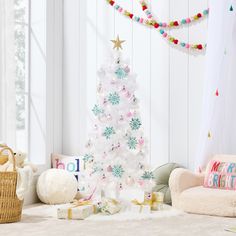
(200, 200)
(161, 176)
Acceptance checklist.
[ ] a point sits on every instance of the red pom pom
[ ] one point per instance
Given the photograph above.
(112, 3)
(156, 25)
(176, 41)
(176, 23)
(144, 8)
(199, 15)
(199, 46)
(131, 15)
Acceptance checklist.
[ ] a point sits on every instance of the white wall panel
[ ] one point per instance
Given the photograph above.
(170, 80)
(178, 88)
(159, 89)
(197, 33)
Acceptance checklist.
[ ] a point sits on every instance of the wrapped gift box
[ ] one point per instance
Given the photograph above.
(145, 209)
(75, 213)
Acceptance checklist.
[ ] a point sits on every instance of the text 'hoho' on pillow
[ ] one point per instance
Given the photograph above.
(221, 175)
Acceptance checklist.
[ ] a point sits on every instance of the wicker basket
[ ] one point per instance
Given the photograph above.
(10, 205)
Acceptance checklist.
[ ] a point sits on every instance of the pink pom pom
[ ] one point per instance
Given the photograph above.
(164, 24)
(150, 16)
(141, 20)
(187, 45)
(120, 9)
(188, 20)
(165, 35)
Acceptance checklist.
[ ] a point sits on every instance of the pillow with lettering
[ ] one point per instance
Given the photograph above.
(73, 164)
(221, 175)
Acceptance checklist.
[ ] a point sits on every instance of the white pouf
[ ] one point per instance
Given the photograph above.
(56, 186)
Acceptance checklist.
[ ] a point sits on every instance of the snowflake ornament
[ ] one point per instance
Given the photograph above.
(109, 131)
(120, 73)
(97, 110)
(147, 175)
(132, 143)
(117, 171)
(88, 158)
(114, 98)
(135, 123)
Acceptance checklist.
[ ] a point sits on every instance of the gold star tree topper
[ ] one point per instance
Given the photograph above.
(117, 43)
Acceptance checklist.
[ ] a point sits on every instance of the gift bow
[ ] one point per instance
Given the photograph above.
(141, 204)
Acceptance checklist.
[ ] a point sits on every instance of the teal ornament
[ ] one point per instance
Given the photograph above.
(135, 123)
(109, 131)
(231, 8)
(132, 143)
(147, 175)
(120, 73)
(117, 171)
(97, 110)
(114, 98)
(87, 158)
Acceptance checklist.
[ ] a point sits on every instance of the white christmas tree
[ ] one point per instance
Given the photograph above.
(116, 150)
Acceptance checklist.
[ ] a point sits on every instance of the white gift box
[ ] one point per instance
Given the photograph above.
(75, 213)
(145, 209)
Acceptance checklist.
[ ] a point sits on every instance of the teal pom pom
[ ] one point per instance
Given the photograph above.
(162, 31)
(205, 12)
(231, 8)
(183, 21)
(182, 44)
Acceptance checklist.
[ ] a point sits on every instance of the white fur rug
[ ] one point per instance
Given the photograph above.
(127, 215)
(40, 220)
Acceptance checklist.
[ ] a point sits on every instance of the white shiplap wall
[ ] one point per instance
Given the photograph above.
(170, 80)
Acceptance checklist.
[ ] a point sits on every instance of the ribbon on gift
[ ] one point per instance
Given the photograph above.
(141, 204)
(79, 203)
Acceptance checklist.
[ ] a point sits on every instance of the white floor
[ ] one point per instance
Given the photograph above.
(40, 220)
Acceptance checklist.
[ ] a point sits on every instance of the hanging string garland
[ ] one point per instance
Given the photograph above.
(173, 23)
(171, 39)
(151, 22)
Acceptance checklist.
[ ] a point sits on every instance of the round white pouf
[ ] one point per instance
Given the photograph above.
(56, 186)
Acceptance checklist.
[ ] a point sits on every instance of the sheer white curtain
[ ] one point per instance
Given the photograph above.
(218, 134)
(7, 73)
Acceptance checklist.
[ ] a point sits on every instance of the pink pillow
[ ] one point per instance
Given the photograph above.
(221, 175)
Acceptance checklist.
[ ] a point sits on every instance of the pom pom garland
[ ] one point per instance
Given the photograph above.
(151, 22)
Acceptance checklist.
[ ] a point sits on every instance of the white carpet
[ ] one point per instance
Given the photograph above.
(40, 220)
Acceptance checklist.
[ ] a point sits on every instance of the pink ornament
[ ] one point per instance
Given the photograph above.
(109, 169)
(141, 141)
(165, 35)
(188, 20)
(127, 69)
(141, 182)
(129, 114)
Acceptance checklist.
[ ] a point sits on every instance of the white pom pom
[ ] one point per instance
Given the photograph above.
(56, 186)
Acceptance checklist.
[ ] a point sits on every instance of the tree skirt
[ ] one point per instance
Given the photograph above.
(168, 211)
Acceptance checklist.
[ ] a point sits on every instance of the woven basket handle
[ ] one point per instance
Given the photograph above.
(6, 148)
